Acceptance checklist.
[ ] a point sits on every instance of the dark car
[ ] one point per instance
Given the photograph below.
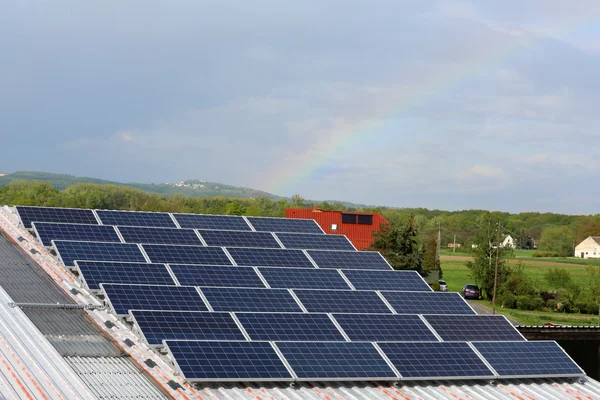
(470, 291)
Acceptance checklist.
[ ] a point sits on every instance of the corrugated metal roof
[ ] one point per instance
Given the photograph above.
(114, 378)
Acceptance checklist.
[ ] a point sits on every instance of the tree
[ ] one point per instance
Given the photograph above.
(430, 260)
(557, 239)
(557, 278)
(235, 208)
(399, 245)
(297, 201)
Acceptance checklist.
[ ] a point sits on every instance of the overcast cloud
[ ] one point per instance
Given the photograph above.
(449, 105)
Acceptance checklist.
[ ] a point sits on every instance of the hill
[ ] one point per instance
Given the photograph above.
(190, 188)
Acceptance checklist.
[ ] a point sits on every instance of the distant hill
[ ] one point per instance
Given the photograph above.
(190, 188)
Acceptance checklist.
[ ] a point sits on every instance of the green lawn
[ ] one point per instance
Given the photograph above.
(527, 255)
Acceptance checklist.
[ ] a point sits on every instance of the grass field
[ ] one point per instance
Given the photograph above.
(527, 255)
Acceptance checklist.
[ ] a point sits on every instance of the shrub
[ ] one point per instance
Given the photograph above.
(591, 307)
(435, 286)
(579, 306)
(536, 303)
(508, 300)
(565, 305)
(523, 302)
(545, 254)
(551, 305)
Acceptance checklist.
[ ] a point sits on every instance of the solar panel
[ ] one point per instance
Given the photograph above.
(136, 234)
(380, 327)
(123, 298)
(227, 361)
(468, 328)
(253, 300)
(303, 278)
(51, 214)
(269, 257)
(336, 360)
(94, 273)
(292, 225)
(441, 360)
(528, 359)
(341, 301)
(386, 280)
(49, 231)
(239, 239)
(136, 218)
(196, 275)
(318, 242)
(427, 303)
(221, 222)
(97, 251)
(289, 327)
(349, 259)
(186, 254)
(157, 326)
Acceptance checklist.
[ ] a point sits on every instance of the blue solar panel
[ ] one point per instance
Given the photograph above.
(96, 251)
(380, 327)
(290, 225)
(196, 275)
(253, 300)
(51, 214)
(528, 359)
(289, 327)
(136, 218)
(386, 280)
(227, 361)
(316, 242)
(480, 328)
(336, 361)
(186, 254)
(341, 301)
(269, 257)
(221, 222)
(123, 298)
(136, 234)
(49, 231)
(239, 239)
(157, 326)
(441, 360)
(427, 303)
(349, 259)
(303, 278)
(93, 273)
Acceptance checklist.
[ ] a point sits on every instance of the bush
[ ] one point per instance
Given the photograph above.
(579, 306)
(435, 286)
(591, 307)
(523, 302)
(545, 254)
(508, 300)
(565, 305)
(537, 303)
(551, 305)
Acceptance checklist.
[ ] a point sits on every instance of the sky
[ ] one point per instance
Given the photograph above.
(439, 104)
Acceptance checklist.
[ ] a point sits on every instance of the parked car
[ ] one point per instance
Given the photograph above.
(470, 291)
(443, 286)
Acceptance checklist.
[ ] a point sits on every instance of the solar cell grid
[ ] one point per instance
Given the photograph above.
(427, 303)
(269, 257)
(289, 327)
(349, 259)
(290, 225)
(253, 300)
(226, 361)
(96, 272)
(303, 278)
(157, 326)
(310, 241)
(468, 328)
(136, 234)
(239, 239)
(49, 231)
(335, 360)
(186, 254)
(379, 327)
(97, 251)
(195, 275)
(220, 222)
(341, 301)
(123, 298)
(528, 359)
(135, 218)
(442, 360)
(50, 214)
(386, 280)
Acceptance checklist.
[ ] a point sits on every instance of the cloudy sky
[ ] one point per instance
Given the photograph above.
(449, 105)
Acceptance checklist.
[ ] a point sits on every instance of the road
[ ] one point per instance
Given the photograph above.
(483, 310)
(545, 263)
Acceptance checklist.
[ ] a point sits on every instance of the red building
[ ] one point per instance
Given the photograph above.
(357, 226)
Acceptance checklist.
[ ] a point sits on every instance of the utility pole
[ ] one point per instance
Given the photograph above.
(439, 243)
(454, 245)
(496, 272)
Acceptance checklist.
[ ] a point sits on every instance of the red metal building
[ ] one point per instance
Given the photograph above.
(357, 226)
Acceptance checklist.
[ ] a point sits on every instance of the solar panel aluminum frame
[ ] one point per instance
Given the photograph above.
(350, 251)
(424, 318)
(383, 292)
(100, 222)
(37, 234)
(303, 219)
(71, 267)
(16, 208)
(292, 378)
(314, 234)
(174, 216)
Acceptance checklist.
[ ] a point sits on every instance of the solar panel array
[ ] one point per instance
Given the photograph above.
(253, 299)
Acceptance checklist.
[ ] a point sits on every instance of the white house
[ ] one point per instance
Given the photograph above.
(589, 248)
(509, 242)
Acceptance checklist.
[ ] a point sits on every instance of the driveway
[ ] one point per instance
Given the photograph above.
(484, 310)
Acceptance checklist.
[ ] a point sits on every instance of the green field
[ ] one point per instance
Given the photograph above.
(527, 255)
